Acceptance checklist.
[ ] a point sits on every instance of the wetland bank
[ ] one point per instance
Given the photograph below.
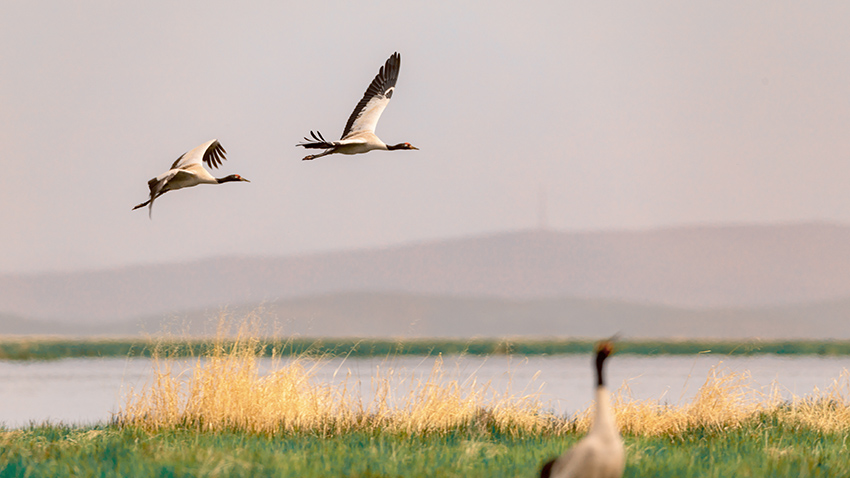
(243, 408)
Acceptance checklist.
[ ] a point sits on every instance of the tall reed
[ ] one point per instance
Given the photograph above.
(224, 389)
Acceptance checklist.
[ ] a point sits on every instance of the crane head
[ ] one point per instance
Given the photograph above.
(604, 348)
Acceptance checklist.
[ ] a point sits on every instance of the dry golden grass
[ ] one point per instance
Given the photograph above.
(730, 400)
(724, 400)
(827, 410)
(224, 389)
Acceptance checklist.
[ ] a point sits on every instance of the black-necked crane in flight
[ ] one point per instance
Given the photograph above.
(189, 171)
(359, 134)
(600, 454)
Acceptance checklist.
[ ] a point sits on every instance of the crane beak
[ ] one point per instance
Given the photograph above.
(243, 179)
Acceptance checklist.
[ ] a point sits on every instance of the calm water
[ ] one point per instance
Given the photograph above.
(83, 391)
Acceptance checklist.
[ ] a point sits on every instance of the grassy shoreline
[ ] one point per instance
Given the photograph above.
(47, 348)
(222, 417)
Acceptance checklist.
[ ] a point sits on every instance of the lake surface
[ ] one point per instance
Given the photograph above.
(86, 391)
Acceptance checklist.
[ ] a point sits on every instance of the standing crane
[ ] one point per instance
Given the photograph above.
(600, 454)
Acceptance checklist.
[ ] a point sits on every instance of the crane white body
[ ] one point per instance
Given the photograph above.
(601, 453)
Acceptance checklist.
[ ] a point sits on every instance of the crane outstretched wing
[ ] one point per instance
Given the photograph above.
(368, 111)
(211, 153)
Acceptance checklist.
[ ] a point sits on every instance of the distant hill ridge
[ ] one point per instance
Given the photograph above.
(363, 314)
(395, 315)
(692, 267)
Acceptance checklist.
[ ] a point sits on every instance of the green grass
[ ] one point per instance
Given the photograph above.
(48, 349)
(757, 449)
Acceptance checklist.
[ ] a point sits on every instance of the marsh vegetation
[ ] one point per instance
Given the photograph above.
(218, 413)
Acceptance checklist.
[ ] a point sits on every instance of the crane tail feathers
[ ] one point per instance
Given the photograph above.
(318, 141)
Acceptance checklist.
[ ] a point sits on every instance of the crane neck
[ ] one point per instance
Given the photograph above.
(227, 179)
(604, 421)
(600, 362)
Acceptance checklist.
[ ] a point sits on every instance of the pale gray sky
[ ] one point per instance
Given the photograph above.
(628, 114)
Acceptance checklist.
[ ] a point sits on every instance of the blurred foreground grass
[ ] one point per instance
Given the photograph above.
(45, 348)
(759, 448)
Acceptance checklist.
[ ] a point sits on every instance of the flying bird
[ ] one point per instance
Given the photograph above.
(189, 171)
(600, 454)
(359, 134)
